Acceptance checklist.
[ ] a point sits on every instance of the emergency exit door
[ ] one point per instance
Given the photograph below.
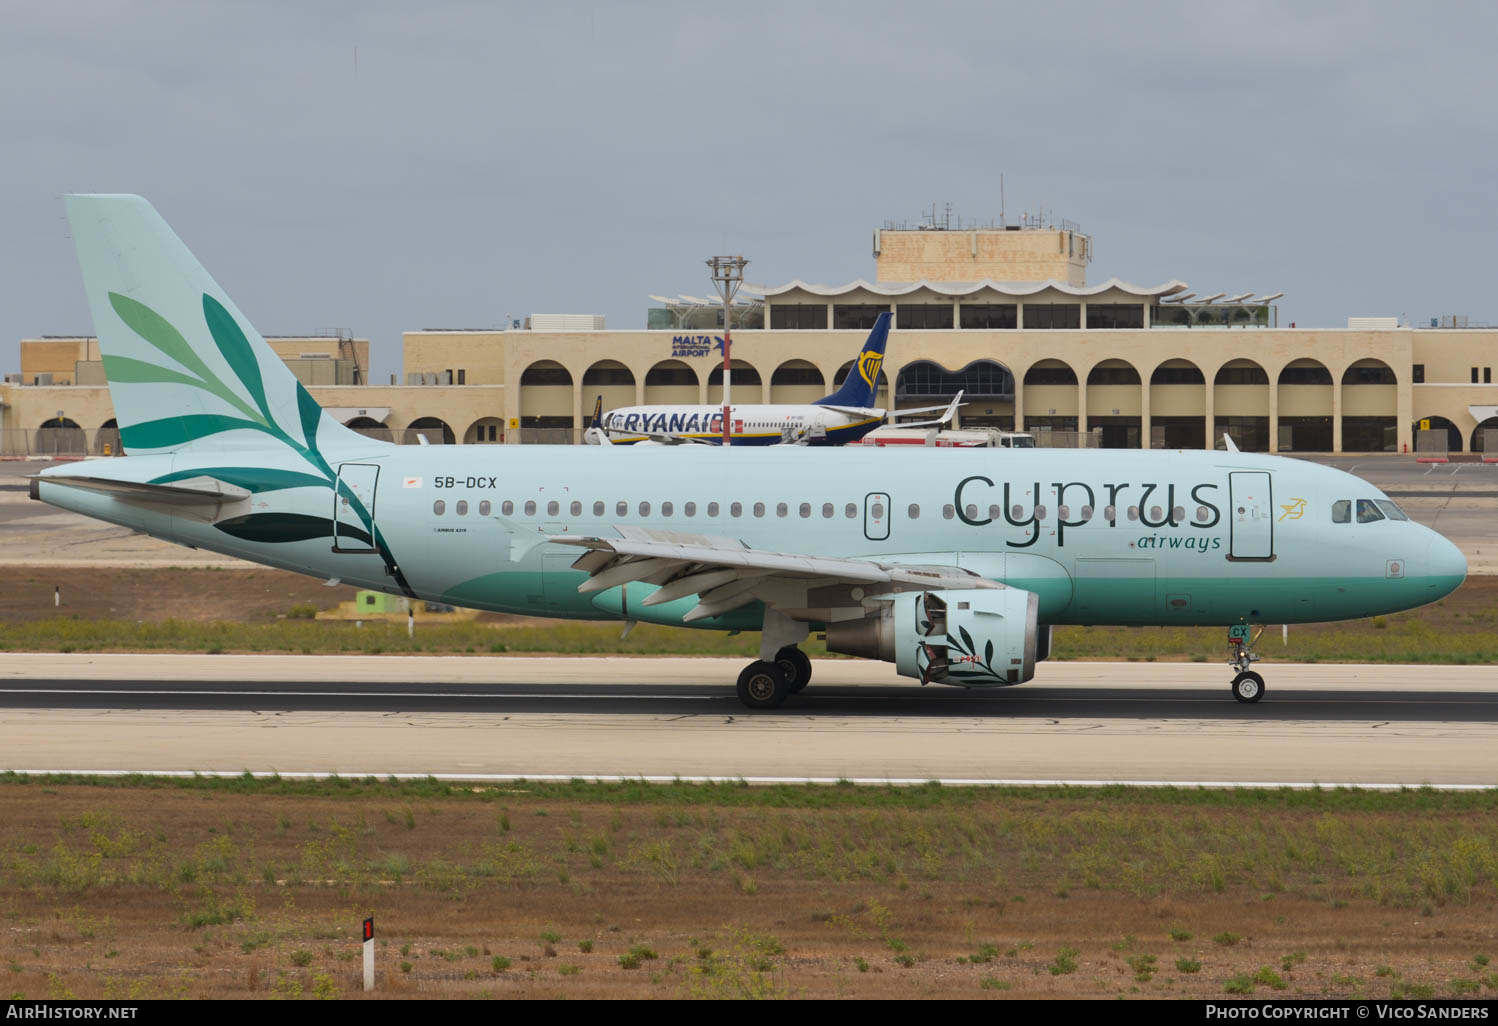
(876, 516)
(353, 508)
(1250, 518)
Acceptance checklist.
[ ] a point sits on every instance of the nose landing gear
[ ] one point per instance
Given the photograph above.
(1248, 686)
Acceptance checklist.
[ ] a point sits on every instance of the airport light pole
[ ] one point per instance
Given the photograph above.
(728, 275)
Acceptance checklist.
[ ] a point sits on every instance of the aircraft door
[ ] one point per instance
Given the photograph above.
(876, 516)
(1250, 519)
(354, 508)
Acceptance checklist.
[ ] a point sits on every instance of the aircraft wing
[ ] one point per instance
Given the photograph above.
(725, 574)
(947, 412)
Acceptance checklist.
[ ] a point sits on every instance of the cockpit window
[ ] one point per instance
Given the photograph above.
(1391, 511)
(1368, 511)
(1342, 511)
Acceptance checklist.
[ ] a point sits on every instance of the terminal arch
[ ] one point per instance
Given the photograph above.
(60, 435)
(674, 382)
(1370, 404)
(1240, 402)
(610, 379)
(1178, 405)
(108, 436)
(987, 388)
(1115, 404)
(1050, 394)
(433, 429)
(796, 381)
(1305, 406)
(747, 385)
(1484, 432)
(370, 428)
(981, 380)
(1442, 436)
(546, 397)
(485, 431)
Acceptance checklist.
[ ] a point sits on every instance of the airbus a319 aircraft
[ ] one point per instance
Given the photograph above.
(837, 419)
(954, 565)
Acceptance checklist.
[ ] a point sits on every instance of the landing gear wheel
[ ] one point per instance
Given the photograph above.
(796, 666)
(1248, 686)
(763, 685)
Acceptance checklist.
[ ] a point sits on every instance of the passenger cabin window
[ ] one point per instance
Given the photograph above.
(851, 510)
(781, 509)
(507, 508)
(712, 509)
(914, 512)
(644, 509)
(948, 511)
(689, 508)
(759, 509)
(484, 508)
(995, 511)
(736, 509)
(1368, 511)
(439, 507)
(598, 508)
(576, 509)
(804, 509)
(530, 507)
(666, 509)
(1342, 511)
(553, 508)
(621, 509)
(828, 511)
(461, 508)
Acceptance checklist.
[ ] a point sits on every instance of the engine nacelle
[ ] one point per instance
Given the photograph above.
(972, 639)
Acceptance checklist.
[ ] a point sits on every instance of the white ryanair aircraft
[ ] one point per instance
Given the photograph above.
(844, 416)
(952, 564)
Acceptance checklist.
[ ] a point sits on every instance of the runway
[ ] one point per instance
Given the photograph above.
(507, 716)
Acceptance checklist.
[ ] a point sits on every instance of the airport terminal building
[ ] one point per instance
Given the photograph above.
(1003, 313)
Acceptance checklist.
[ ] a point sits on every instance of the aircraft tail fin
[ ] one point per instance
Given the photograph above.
(186, 370)
(861, 386)
(597, 412)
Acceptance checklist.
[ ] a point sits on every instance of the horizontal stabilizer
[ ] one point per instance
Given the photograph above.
(194, 491)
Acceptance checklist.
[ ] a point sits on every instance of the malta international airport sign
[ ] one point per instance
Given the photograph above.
(696, 345)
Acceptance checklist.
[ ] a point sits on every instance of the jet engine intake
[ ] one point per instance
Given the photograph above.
(971, 639)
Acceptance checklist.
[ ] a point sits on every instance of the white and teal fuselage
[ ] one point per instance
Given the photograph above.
(1172, 537)
(229, 452)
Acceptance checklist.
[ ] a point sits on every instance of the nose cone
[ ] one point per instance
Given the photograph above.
(1445, 567)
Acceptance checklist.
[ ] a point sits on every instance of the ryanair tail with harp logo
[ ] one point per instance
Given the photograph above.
(845, 416)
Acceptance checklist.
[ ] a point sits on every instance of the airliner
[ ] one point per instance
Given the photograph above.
(953, 565)
(837, 419)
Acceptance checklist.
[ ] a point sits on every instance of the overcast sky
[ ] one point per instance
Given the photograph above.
(378, 167)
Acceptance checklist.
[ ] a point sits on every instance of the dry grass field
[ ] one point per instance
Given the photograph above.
(238, 888)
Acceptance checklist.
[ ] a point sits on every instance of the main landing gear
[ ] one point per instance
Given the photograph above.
(765, 684)
(1248, 686)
